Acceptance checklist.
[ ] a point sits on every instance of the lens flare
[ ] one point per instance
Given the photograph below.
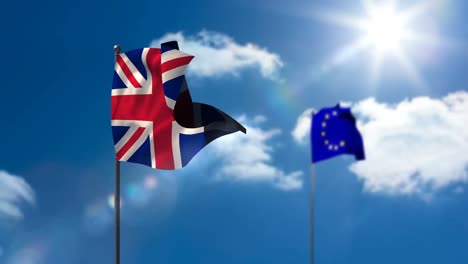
(32, 253)
(146, 198)
(151, 182)
(110, 201)
(149, 198)
(140, 193)
(132, 190)
(98, 217)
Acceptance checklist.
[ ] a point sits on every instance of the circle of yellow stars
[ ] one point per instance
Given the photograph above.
(331, 145)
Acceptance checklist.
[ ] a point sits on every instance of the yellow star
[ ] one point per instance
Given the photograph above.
(335, 147)
(342, 143)
(324, 124)
(326, 142)
(330, 147)
(327, 116)
(335, 113)
(323, 133)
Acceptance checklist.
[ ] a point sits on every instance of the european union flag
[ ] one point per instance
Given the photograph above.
(334, 132)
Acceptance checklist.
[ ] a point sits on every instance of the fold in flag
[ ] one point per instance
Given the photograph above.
(154, 121)
(334, 132)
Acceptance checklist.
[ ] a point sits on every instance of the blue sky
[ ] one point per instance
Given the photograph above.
(244, 198)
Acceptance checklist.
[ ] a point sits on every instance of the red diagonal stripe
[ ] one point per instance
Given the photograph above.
(130, 142)
(172, 64)
(128, 72)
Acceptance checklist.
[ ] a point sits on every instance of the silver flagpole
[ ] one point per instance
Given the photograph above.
(312, 193)
(117, 194)
(312, 186)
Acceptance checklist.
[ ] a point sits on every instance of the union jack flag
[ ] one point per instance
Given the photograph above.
(154, 121)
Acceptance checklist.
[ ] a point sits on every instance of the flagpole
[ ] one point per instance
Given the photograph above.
(312, 205)
(312, 194)
(117, 194)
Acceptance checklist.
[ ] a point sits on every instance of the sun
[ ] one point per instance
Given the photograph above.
(385, 31)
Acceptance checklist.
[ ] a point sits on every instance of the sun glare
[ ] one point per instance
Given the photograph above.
(385, 29)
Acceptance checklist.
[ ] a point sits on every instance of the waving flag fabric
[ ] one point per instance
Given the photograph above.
(334, 132)
(154, 121)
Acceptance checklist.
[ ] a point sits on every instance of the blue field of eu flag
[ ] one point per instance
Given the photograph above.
(334, 132)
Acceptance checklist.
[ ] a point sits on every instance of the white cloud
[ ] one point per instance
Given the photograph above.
(345, 104)
(14, 190)
(302, 129)
(416, 146)
(217, 54)
(248, 157)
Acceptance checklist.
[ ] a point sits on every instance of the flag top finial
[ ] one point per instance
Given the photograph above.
(116, 49)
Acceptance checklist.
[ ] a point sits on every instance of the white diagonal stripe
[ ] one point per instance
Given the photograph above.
(174, 73)
(136, 145)
(125, 138)
(173, 54)
(136, 73)
(145, 84)
(123, 77)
